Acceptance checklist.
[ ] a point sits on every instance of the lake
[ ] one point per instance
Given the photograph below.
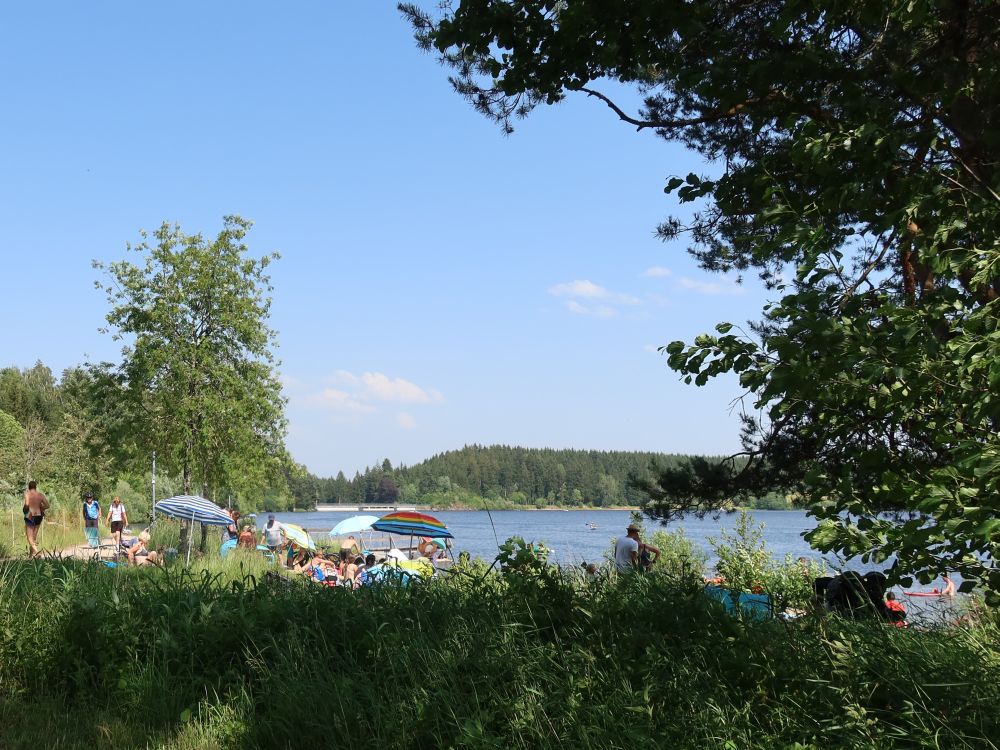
(566, 532)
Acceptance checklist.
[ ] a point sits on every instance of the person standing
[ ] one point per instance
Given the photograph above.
(273, 535)
(35, 505)
(233, 529)
(627, 549)
(91, 519)
(648, 555)
(118, 519)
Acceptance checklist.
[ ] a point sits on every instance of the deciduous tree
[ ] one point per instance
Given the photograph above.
(197, 370)
(855, 149)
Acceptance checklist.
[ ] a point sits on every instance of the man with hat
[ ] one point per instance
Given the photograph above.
(273, 535)
(91, 517)
(627, 549)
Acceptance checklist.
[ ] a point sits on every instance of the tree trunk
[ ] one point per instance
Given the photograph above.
(185, 526)
(204, 538)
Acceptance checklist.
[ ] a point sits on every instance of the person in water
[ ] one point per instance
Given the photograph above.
(35, 505)
(91, 519)
(949, 586)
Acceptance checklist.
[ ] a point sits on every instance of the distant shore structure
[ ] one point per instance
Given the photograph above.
(336, 507)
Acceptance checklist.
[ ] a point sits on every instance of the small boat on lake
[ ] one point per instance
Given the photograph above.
(592, 526)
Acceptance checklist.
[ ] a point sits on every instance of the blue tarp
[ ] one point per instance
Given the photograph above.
(754, 606)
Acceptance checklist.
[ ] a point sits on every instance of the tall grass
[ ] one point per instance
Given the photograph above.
(227, 658)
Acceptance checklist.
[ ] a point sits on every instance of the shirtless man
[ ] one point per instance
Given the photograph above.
(35, 505)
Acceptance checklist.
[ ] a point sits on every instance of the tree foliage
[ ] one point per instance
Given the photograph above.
(197, 377)
(854, 147)
(499, 474)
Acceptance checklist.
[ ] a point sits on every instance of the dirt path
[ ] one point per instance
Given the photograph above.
(85, 552)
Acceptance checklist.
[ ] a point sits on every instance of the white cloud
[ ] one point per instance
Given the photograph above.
(579, 288)
(651, 348)
(589, 292)
(383, 388)
(344, 377)
(361, 394)
(340, 401)
(657, 271)
(709, 287)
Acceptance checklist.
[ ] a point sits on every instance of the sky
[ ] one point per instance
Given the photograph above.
(440, 284)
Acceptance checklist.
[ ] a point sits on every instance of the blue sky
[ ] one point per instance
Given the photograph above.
(440, 284)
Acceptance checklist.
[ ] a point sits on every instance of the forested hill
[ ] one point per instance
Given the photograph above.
(499, 473)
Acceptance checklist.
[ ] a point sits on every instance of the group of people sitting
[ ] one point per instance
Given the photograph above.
(349, 567)
(333, 570)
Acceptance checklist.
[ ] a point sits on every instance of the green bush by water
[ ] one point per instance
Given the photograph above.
(527, 658)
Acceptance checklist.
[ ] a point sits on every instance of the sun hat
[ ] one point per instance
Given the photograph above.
(633, 527)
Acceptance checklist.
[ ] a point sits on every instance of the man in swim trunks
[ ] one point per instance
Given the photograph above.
(35, 505)
(118, 519)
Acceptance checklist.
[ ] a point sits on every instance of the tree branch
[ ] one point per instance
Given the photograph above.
(684, 122)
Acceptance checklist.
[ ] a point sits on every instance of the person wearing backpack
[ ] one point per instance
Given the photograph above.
(91, 519)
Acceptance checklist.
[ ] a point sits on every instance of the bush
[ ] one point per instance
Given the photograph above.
(745, 564)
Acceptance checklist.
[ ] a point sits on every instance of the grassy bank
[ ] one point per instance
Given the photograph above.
(100, 658)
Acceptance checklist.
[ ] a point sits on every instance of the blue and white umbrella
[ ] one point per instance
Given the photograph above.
(194, 508)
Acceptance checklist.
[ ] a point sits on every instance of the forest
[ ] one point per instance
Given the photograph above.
(60, 432)
(501, 476)
(64, 433)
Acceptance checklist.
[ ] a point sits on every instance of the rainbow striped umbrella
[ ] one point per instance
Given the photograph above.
(412, 524)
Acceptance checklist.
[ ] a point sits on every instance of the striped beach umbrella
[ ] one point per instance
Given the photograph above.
(299, 536)
(412, 524)
(194, 508)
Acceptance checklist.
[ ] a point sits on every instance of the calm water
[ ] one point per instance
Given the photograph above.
(567, 533)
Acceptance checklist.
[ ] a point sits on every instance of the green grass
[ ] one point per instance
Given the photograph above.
(217, 658)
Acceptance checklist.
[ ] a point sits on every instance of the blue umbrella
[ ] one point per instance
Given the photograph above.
(195, 509)
(353, 525)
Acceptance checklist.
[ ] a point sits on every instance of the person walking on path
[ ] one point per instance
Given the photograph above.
(91, 519)
(118, 519)
(35, 505)
(627, 549)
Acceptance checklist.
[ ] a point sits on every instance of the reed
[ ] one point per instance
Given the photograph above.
(226, 657)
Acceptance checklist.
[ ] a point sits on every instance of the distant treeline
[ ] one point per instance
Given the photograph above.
(503, 475)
